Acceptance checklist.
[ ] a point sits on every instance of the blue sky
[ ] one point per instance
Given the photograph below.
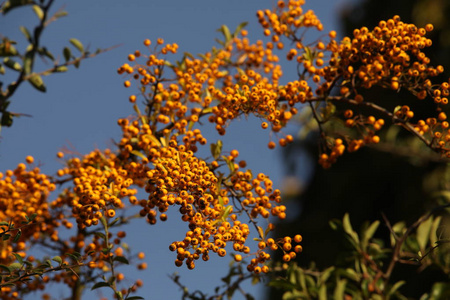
(81, 107)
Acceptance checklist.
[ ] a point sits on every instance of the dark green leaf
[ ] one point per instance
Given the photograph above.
(44, 51)
(77, 44)
(100, 235)
(6, 236)
(77, 62)
(67, 54)
(31, 218)
(73, 256)
(37, 82)
(5, 268)
(2, 69)
(19, 258)
(99, 285)
(134, 298)
(17, 237)
(122, 260)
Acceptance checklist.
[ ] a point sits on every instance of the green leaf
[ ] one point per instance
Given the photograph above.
(113, 222)
(367, 234)
(75, 256)
(216, 149)
(2, 69)
(57, 259)
(17, 237)
(261, 232)
(8, 5)
(99, 285)
(440, 290)
(60, 14)
(134, 298)
(433, 230)
(122, 260)
(15, 266)
(4, 223)
(5, 268)
(44, 51)
(340, 289)
(38, 11)
(28, 63)
(67, 54)
(325, 275)
(19, 258)
(77, 44)
(31, 218)
(423, 233)
(348, 228)
(239, 28)
(37, 82)
(138, 153)
(226, 33)
(394, 288)
(77, 62)
(14, 65)
(6, 236)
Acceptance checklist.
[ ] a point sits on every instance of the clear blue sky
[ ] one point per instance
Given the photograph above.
(81, 107)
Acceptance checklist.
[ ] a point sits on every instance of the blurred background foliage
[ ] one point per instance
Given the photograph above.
(399, 178)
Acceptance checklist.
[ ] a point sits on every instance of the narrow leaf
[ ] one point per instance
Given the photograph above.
(99, 285)
(122, 260)
(77, 44)
(17, 237)
(26, 33)
(38, 11)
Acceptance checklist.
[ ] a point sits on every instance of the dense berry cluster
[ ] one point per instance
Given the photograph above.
(23, 193)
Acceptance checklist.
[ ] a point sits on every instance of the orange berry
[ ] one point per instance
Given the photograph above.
(271, 145)
(127, 83)
(261, 245)
(29, 159)
(141, 255)
(234, 153)
(238, 257)
(132, 98)
(298, 238)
